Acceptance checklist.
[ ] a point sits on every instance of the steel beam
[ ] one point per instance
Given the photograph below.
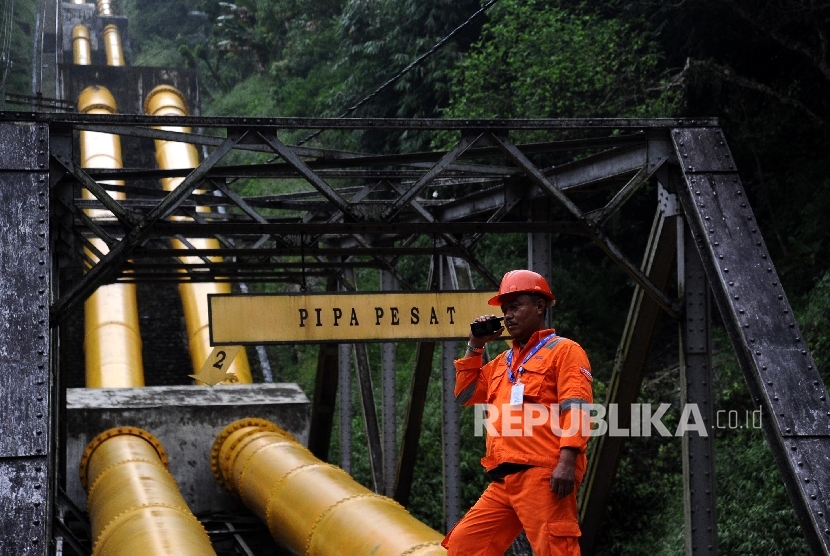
(28, 396)
(451, 423)
(424, 353)
(539, 257)
(389, 399)
(370, 416)
(779, 370)
(627, 375)
(699, 502)
(636, 124)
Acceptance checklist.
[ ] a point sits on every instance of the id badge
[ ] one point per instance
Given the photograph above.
(517, 394)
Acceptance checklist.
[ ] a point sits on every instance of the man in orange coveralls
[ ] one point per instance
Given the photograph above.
(536, 463)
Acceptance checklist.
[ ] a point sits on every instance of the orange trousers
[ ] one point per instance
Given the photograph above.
(522, 500)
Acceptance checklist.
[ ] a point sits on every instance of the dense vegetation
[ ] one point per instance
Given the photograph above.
(762, 67)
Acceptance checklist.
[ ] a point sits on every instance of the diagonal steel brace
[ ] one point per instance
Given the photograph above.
(602, 241)
(119, 254)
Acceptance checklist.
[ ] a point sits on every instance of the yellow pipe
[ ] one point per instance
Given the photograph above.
(312, 507)
(112, 342)
(81, 49)
(135, 507)
(168, 101)
(105, 7)
(112, 45)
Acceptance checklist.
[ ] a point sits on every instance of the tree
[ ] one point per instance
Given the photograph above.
(542, 59)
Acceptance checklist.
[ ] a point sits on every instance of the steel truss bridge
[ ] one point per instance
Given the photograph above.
(350, 210)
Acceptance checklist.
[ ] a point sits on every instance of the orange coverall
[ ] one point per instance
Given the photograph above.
(558, 373)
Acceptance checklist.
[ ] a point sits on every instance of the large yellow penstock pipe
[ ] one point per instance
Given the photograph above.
(135, 507)
(112, 342)
(112, 46)
(81, 48)
(168, 101)
(312, 507)
(105, 7)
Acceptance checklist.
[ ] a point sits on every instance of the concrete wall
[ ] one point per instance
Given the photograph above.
(186, 419)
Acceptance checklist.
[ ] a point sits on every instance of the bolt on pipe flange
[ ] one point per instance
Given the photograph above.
(118, 431)
(259, 425)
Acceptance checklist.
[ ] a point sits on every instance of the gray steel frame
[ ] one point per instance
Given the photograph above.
(367, 210)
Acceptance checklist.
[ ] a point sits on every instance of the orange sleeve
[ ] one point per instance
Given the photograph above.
(574, 390)
(470, 386)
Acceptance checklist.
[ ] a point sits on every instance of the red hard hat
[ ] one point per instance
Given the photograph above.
(522, 281)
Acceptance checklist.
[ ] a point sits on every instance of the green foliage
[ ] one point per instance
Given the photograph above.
(17, 34)
(544, 60)
(814, 320)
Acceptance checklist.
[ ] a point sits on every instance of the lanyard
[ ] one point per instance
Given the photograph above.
(538, 346)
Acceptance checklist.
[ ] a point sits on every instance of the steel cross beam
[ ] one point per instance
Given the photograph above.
(593, 231)
(110, 263)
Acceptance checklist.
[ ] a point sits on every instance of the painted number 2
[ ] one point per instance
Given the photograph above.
(220, 359)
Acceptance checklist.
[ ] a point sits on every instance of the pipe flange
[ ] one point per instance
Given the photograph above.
(119, 431)
(151, 110)
(261, 424)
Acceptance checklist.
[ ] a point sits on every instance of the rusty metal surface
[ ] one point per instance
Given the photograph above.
(776, 363)
(700, 505)
(23, 495)
(703, 150)
(23, 146)
(25, 419)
